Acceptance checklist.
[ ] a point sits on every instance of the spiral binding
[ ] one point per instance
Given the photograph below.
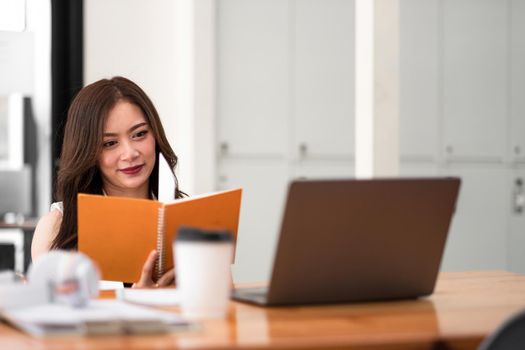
(159, 265)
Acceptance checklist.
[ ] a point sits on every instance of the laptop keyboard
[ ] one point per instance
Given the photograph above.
(260, 291)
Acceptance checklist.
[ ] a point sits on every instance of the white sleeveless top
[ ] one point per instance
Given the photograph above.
(58, 206)
(102, 285)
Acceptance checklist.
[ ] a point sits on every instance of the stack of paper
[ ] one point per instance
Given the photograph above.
(99, 317)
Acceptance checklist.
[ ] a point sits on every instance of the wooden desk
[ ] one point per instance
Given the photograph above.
(465, 307)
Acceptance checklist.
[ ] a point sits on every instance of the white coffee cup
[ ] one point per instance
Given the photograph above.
(202, 264)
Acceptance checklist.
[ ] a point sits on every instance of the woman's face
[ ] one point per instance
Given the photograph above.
(128, 152)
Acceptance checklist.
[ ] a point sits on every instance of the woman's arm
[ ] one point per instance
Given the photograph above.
(45, 232)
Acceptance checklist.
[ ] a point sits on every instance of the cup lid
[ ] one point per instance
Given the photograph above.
(192, 234)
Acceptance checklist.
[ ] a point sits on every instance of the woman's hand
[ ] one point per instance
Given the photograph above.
(147, 279)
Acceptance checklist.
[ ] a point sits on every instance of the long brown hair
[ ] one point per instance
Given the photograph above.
(83, 137)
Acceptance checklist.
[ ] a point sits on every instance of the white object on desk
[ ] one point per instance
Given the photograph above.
(202, 264)
(14, 295)
(71, 277)
(110, 285)
(56, 301)
(97, 318)
(153, 297)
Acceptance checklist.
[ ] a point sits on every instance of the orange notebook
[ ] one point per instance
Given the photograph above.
(118, 233)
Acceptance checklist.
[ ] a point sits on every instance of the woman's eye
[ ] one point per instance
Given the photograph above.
(141, 133)
(109, 144)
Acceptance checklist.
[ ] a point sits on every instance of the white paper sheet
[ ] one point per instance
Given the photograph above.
(166, 181)
(154, 297)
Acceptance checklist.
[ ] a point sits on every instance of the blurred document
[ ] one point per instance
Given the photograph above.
(98, 318)
(154, 297)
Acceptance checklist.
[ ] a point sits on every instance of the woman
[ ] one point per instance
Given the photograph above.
(112, 140)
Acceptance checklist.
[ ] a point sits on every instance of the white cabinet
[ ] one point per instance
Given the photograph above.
(465, 61)
(253, 84)
(454, 89)
(264, 184)
(285, 99)
(285, 78)
(419, 80)
(475, 84)
(323, 79)
(516, 242)
(323, 169)
(478, 238)
(285, 108)
(516, 181)
(419, 169)
(517, 80)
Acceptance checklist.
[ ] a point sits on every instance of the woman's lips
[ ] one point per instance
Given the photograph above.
(132, 170)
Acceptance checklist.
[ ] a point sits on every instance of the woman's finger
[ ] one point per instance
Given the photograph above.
(147, 270)
(167, 279)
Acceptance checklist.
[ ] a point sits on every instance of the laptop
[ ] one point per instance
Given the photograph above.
(358, 240)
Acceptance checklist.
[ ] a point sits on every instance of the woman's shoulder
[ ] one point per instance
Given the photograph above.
(52, 219)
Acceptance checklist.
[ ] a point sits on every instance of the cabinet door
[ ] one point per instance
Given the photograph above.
(516, 245)
(475, 62)
(253, 76)
(418, 169)
(478, 238)
(324, 169)
(419, 79)
(517, 80)
(323, 78)
(264, 184)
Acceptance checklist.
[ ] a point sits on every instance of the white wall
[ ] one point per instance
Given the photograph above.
(39, 23)
(135, 39)
(166, 47)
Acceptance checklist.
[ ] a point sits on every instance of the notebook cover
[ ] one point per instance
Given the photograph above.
(210, 211)
(117, 233)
